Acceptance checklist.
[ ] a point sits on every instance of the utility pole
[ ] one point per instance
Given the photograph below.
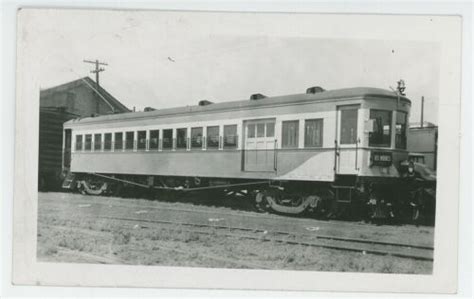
(422, 110)
(97, 70)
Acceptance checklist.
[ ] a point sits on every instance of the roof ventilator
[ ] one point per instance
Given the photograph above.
(257, 96)
(315, 89)
(205, 103)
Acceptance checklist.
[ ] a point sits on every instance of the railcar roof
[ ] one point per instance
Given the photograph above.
(245, 104)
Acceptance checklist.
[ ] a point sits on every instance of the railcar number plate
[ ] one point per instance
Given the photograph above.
(381, 158)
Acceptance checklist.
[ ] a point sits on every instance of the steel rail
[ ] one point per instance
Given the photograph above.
(295, 242)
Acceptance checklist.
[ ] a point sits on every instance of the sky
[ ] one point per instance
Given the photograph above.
(169, 60)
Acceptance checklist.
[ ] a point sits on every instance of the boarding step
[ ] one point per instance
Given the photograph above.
(345, 181)
(68, 182)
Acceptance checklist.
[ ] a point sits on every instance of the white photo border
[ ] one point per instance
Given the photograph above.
(444, 278)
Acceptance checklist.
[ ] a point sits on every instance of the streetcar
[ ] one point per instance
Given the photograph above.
(322, 151)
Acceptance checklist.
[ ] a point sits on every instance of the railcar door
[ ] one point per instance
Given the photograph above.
(347, 140)
(67, 149)
(259, 145)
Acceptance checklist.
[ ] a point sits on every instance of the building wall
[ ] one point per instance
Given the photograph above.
(423, 141)
(58, 105)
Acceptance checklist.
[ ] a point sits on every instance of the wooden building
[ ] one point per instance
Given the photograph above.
(423, 143)
(79, 98)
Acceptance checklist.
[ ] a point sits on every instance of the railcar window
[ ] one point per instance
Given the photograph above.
(182, 136)
(251, 131)
(290, 134)
(154, 139)
(230, 136)
(213, 137)
(168, 139)
(270, 129)
(141, 140)
(78, 142)
(261, 130)
(349, 126)
(313, 133)
(118, 141)
(97, 142)
(129, 140)
(401, 130)
(88, 142)
(196, 137)
(381, 134)
(107, 141)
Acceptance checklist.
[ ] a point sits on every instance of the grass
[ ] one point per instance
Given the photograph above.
(171, 245)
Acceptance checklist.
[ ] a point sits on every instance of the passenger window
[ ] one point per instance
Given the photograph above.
(251, 131)
(141, 140)
(196, 138)
(168, 139)
(270, 129)
(313, 133)
(88, 142)
(260, 130)
(154, 139)
(401, 130)
(290, 134)
(129, 140)
(213, 137)
(107, 141)
(381, 134)
(349, 126)
(182, 136)
(118, 141)
(97, 142)
(230, 136)
(78, 142)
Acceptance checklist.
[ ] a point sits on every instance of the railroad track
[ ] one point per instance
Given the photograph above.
(364, 246)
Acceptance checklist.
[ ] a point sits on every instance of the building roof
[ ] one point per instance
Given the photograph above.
(356, 92)
(426, 125)
(89, 83)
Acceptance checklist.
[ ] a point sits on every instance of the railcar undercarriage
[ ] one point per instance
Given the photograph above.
(368, 199)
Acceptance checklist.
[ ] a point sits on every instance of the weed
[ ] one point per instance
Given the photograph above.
(122, 238)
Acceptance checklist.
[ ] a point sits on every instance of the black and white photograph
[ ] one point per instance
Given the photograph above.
(239, 141)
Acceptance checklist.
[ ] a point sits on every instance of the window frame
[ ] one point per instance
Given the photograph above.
(193, 144)
(88, 145)
(272, 123)
(163, 147)
(97, 145)
(139, 144)
(81, 148)
(179, 145)
(405, 131)
(321, 133)
(118, 141)
(384, 145)
(107, 145)
(344, 109)
(129, 142)
(150, 143)
(235, 137)
(208, 140)
(283, 123)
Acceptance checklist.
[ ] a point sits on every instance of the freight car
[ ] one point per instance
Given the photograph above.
(321, 151)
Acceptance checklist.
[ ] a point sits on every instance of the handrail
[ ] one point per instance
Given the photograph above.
(357, 153)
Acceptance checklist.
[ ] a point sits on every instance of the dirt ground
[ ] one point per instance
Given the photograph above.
(70, 229)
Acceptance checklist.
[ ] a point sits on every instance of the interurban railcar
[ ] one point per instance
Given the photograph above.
(290, 152)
